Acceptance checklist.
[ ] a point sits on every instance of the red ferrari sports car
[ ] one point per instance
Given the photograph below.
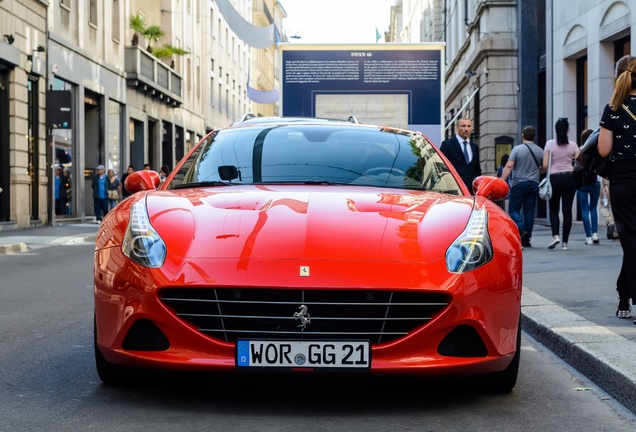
(309, 246)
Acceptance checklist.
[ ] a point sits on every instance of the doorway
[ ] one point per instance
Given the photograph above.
(94, 152)
(152, 145)
(5, 195)
(136, 132)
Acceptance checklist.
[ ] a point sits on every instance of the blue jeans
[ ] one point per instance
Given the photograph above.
(588, 200)
(524, 195)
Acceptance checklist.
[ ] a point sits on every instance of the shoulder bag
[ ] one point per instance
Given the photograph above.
(545, 187)
(588, 158)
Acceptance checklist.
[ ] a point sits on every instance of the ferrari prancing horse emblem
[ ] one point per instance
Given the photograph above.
(303, 316)
(304, 270)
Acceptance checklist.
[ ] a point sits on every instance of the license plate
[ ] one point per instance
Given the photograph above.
(303, 354)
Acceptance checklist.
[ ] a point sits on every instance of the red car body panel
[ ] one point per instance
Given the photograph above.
(349, 237)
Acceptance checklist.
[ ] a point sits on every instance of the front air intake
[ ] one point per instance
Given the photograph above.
(463, 341)
(144, 335)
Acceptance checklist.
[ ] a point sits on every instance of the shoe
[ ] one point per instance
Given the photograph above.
(564, 246)
(595, 238)
(526, 243)
(624, 310)
(523, 235)
(555, 241)
(588, 241)
(612, 234)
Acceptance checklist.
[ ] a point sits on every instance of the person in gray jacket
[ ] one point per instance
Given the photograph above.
(525, 160)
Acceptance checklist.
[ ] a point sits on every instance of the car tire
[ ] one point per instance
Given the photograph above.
(109, 373)
(504, 381)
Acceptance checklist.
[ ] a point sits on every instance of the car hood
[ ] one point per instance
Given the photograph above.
(308, 222)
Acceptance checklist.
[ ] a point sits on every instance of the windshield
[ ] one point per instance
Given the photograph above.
(316, 153)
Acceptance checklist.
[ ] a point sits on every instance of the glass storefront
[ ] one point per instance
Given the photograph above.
(113, 138)
(62, 172)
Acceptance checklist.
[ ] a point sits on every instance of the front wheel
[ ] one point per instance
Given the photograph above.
(109, 373)
(504, 381)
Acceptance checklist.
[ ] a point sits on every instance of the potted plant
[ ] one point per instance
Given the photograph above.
(168, 50)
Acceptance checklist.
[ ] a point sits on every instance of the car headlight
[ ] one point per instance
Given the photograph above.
(473, 248)
(141, 243)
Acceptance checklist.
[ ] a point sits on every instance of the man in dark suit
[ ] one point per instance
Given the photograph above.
(462, 153)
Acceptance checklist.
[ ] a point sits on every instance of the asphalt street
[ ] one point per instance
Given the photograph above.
(568, 304)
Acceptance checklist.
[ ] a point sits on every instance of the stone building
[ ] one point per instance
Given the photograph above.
(480, 62)
(264, 76)
(515, 63)
(79, 88)
(23, 151)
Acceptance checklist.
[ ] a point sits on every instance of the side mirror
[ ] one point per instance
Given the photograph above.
(228, 172)
(142, 180)
(490, 187)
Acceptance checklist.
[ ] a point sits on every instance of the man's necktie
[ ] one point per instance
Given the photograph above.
(466, 152)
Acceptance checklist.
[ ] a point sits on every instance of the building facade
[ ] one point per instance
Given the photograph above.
(264, 70)
(481, 65)
(80, 87)
(515, 63)
(24, 199)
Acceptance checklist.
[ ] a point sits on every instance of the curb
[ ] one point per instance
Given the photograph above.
(59, 241)
(70, 240)
(13, 248)
(606, 358)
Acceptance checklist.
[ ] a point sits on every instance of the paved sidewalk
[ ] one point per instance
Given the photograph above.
(568, 304)
(23, 240)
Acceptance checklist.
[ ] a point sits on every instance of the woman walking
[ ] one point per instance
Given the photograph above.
(563, 151)
(114, 190)
(587, 195)
(618, 139)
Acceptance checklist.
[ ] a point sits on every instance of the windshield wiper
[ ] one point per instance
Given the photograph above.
(203, 184)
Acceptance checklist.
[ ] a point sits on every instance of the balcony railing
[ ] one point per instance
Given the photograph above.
(151, 76)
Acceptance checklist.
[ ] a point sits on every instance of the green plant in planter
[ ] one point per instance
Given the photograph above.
(152, 33)
(168, 50)
(138, 25)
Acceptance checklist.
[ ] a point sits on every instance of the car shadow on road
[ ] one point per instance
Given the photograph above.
(271, 394)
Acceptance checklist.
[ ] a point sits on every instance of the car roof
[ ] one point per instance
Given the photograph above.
(252, 119)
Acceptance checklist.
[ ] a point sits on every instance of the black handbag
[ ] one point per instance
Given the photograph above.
(588, 158)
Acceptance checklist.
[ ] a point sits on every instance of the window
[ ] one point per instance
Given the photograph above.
(92, 12)
(220, 90)
(113, 136)
(177, 63)
(198, 77)
(189, 73)
(115, 20)
(212, 91)
(66, 4)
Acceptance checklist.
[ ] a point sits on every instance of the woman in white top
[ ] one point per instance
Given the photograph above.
(562, 179)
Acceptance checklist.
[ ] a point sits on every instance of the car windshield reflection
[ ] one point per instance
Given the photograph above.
(316, 154)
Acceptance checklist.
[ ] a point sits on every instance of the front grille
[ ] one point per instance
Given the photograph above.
(229, 314)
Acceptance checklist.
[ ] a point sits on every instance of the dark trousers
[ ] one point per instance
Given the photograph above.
(623, 193)
(101, 207)
(524, 195)
(60, 206)
(563, 191)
